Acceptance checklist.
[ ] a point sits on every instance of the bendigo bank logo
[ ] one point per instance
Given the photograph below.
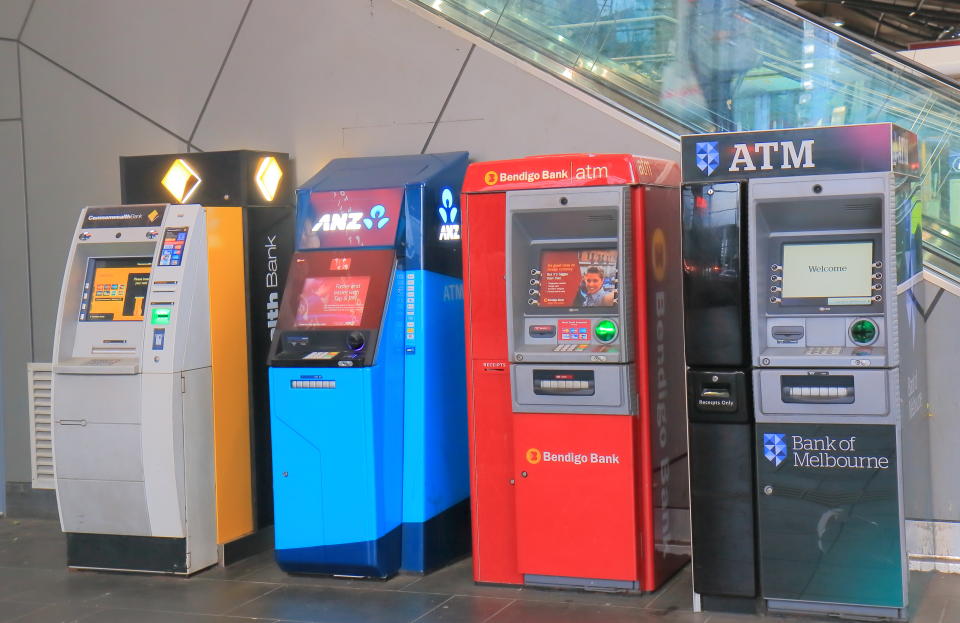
(774, 448)
(534, 456)
(658, 254)
(352, 221)
(450, 229)
(490, 178)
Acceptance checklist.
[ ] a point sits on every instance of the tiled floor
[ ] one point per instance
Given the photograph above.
(35, 587)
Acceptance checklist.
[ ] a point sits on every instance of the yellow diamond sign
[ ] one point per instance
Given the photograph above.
(268, 177)
(181, 180)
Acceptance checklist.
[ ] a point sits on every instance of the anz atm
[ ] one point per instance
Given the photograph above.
(811, 241)
(366, 381)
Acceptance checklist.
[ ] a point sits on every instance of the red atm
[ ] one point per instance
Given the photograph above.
(572, 290)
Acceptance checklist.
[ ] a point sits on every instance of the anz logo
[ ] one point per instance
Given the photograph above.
(774, 448)
(353, 221)
(450, 229)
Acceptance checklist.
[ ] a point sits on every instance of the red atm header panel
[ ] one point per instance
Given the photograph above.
(569, 170)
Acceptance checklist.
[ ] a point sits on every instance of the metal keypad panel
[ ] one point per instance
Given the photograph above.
(313, 384)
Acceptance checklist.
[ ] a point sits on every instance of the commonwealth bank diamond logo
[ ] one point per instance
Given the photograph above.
(708, 157)
(774, 448)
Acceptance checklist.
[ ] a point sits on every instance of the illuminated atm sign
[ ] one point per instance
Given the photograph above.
(352, 218)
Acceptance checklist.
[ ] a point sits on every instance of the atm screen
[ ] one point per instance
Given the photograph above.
(332, 301)
(115, 288)
(578, 278)
(840, 272)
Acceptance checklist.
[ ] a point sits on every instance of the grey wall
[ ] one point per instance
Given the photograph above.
(316, 78)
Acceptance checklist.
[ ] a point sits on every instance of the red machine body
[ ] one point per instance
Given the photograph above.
(575, 496)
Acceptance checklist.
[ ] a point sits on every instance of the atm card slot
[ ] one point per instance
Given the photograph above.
(817, 389)
(563, 382)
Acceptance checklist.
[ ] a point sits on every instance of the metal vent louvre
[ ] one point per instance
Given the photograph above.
(40, 384)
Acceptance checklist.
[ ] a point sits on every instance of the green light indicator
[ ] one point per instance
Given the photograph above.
(863, 331)
(606, 330)
(160, 315)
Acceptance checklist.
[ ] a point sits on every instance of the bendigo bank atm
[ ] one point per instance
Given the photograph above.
(368, 404)
(836, 343)
(133, 432)
(575, 379)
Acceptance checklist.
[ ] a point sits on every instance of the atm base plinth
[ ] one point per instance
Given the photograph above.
(587, 584)
(724, 603)
(438, 541)
(119, 552)
(246, 546)
(365, 559)
(815, 607)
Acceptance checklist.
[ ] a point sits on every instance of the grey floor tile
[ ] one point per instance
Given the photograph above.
(240, 569)
(465, 609)
(63, 586)
(543, 612)
(272, 573)
(12, 610)
(151, 616)
(457, 579)
(185, 595)
(675, 594)
(327, 605)
(58, 613)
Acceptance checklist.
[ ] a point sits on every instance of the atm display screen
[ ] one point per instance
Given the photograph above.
(840, 272)
(332, 301)
(115, 288)
(578, 278)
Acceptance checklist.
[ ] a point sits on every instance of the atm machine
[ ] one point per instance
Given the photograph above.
(836, 344)
(133, 431)
(247, 199)
(368, 406)
(575, 371)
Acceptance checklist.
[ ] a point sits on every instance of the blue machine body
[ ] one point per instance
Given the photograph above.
(371, 473)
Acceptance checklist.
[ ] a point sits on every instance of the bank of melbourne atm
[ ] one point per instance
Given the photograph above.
(575, 371)
(247, 199)
(836, 343)
(366, 381)
(133, 432)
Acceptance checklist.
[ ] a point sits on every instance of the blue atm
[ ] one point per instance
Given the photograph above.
(367, 379)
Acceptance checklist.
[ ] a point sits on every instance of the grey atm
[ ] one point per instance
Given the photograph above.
(132, 399)
(837, 349)
(550, 245)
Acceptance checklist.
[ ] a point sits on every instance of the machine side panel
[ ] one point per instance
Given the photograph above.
(163, 453)
(484, 272)
(575, 495)
(663, 419)
(198, 465)
(435, 460)
(231, 379)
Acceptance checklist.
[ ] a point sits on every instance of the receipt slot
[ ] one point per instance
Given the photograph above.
(133, 431)
(575, 371)
(836, 346)
(368, 405)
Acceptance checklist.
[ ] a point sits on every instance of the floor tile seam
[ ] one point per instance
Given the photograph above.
(414, 620)
(249, 601)
(581, 603)
(177, 612)
(490, 618)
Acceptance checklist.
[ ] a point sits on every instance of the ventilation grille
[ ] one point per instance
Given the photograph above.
(40, 381)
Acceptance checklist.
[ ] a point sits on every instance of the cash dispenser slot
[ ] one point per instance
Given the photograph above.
(817, 389)
(790, 334)
(563, 382)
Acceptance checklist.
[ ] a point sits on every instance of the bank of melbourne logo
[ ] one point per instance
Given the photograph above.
(450, 229)
(708, 157)
(774, 448)
(377, 217)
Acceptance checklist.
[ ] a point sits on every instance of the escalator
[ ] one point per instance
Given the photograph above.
(689, 66)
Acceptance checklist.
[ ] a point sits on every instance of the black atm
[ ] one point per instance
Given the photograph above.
(719, 402)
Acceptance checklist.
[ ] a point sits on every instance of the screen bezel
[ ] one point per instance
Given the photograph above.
(821, 305)
(90, 275)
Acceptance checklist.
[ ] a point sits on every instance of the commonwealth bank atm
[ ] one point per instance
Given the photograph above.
(133, 431)
(836, 342)
(366, 381)
(575, 371)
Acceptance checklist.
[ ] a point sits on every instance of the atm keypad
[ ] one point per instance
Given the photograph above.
(313, 384)
(572, 385)
(824, 350)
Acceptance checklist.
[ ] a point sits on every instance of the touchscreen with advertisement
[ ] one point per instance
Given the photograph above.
(115, 288)
(840, 272)
(578, 278)
(332, 301)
